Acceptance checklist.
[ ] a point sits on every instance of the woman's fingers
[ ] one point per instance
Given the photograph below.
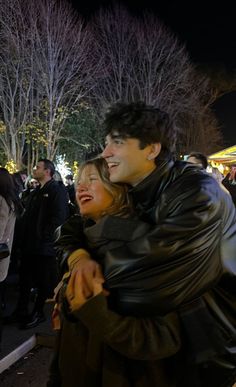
(85, 282)
(70, 287)
(97, 287)
(89, 269)
(79, 298)
(99, 275)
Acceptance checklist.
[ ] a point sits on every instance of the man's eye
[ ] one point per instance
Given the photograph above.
(118, 141)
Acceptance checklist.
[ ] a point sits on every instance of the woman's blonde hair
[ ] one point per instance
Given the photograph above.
(121, 205)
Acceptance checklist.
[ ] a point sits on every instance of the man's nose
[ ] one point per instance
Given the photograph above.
(106, 151)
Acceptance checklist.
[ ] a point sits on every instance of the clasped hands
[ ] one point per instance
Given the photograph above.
(85, 282)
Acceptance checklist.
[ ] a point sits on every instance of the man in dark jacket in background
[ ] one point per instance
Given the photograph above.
(46, 209)
(191, 245)
(70, 187)
(230, 182)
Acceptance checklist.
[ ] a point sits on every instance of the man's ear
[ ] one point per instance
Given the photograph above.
(155, 149)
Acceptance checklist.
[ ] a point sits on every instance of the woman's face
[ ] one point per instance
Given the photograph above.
(91, 195)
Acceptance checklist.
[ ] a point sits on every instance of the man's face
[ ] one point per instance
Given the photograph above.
(39, 171)
(126, 161)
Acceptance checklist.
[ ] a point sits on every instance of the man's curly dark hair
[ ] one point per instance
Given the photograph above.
(144, 122)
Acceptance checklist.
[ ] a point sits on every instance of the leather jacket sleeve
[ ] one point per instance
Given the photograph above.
(68, 238)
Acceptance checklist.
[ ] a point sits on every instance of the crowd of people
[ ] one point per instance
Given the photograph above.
(44, 205)
(145, 272)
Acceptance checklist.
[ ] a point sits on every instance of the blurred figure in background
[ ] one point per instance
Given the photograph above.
(57, 177)
(19, 179)
(217, 174)
(229, 182)
(70, 187)
(31, 184)
(10, 207)
(198, 158)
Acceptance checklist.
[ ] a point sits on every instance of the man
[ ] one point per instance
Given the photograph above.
(46, 209)
(229, 182)
(70, 187)
(191, 244)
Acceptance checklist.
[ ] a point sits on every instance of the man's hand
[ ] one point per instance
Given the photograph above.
(81, 262)
(75, 294)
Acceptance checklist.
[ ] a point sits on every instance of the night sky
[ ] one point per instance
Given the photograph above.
(209, 33)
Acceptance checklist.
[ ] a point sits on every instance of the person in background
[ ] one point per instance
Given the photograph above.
(190, 246)
(70, 187)
(19, 179)
(58, 177)
(31, 184)
(201, 160)
(229, 182)
(10, 208)
(80, 356)
(217, 174)
(46, 209)
(198, 158)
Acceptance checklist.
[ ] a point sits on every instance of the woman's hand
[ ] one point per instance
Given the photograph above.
(81, 262)
(75, 293)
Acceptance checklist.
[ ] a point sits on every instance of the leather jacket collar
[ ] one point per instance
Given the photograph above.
(146, 193)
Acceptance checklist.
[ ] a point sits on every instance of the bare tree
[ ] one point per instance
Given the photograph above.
(65, 65)
(15, 77)
(206, 136)
(46, 68)
(143, 60)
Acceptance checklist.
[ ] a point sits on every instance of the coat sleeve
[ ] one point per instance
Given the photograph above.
(135, 338)
(68, 238)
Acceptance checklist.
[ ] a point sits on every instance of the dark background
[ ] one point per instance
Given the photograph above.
(207, 29)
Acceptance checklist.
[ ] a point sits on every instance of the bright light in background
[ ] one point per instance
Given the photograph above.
(11, 166)
(62, 167)
(224, 169)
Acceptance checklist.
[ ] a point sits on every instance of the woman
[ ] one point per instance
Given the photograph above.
(96, 346)
(9, 208)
